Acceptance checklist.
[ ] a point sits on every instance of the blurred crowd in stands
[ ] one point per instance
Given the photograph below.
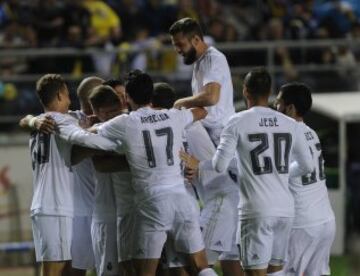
(142, 25)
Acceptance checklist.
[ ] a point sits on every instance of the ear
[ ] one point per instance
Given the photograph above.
(59, 96)
(196, 40)
(245, 92)
(290, 110)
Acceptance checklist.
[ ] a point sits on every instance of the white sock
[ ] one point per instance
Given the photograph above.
(278, 273)
(207, 272)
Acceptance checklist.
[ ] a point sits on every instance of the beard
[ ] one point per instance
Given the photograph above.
(190, 56)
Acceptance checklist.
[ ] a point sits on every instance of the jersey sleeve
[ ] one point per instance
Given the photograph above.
(70, 131)
(184, 117)
(212, 68)
(302, 159)
(114, 129)
(226, 148)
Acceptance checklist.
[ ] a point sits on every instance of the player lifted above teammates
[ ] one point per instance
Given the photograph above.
(211, 80)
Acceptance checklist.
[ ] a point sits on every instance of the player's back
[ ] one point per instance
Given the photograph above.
(265, 145)
(52, 176)
(152, 141)
(312, 205)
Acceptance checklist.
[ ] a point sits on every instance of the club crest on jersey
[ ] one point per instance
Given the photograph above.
(268, 122)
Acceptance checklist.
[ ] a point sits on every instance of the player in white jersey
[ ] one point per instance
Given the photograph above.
(81, 249)
(265, 141)
(218, 192)
(211, 80)
(52, 202)
(152, 140)
(106, 105)
(313, 231)
(121, 181)
(82, 253)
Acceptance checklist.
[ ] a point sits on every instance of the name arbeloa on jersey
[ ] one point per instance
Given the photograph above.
(268, 122)
(154, 118)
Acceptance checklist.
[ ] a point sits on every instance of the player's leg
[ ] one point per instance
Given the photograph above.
(146, 267)
(126, 268)
(230, 261)
(172, 262)
(81, 246)
(125, 232)
(319, 261)
(152, 222)
(188, 237)
(104, 246)
(281, 228)
(301, 247)
(56, 268)
(52, 239)
(256, 239)
(231, 268)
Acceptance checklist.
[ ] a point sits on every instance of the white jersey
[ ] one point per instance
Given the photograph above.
(104, 208)
(152, 140)
(212, 66)
(84, 178)
(211, 182)
(51, 157)
(124, 193)
(265, 141)
(312, 205)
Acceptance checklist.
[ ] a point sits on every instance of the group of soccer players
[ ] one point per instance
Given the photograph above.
(174, 186)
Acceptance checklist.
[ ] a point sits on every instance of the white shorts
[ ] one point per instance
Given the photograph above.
(52, 237)
(309, 250)
(170, 258)
(81, 248)
(264, 241)
(104, 246)
(173, 215)
(218, 221)
(234, 253)
(125, 233)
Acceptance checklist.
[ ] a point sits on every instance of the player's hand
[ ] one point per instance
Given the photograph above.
(191, 165)
(88, 121)
(191, 174)
(45, 124)
(180, 103)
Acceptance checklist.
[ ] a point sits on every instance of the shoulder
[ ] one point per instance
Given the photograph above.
(178, 112)
(119, 119)
(310, 130)
(212, 57)
(77, 114)
(61, 118)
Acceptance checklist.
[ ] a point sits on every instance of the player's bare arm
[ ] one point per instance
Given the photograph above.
(43, 124)
(199, 113)
(208, 97)
(110, 163)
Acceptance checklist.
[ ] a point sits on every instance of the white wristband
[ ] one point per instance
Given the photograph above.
(32, 122)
